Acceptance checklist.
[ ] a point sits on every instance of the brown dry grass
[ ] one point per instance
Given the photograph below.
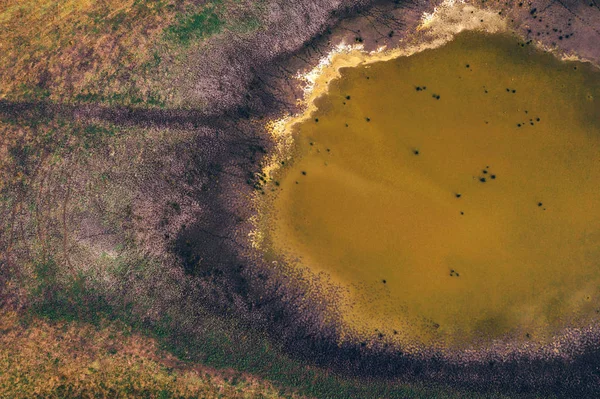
(80, 360)
(58, 49)
(109, 51)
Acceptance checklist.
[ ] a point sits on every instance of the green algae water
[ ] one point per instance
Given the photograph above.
(454, 193)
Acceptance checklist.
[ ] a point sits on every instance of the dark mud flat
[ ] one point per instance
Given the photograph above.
(190, 206)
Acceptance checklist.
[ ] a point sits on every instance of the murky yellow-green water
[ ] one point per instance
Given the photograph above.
(455, 193)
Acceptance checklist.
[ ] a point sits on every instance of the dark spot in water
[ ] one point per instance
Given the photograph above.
(347, 97)
(436, 96)
(537, 119)
(395, 332)
(540, 204)
(462, 213)
(484, 171)
(416, 152)
(391, 33)
(328, 150)
(384, 281)
(368, 119)
(346, 125)
(482, 179)
(311, 143)
(514, 91)
(467, 66)
(316, 119)
(304, 172)
(458, 195)
(493, 176)
(518, 125)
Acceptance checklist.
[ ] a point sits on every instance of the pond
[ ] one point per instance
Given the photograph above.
(454, 194)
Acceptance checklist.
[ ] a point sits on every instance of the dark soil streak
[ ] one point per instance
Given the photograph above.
(124, 116)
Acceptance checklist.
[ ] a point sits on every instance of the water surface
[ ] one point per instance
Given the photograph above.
(454, 193)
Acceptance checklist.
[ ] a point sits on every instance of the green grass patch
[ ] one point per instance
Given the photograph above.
(247, 25)
(57, 298)
(196, 26)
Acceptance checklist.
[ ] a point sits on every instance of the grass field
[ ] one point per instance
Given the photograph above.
(107, 155)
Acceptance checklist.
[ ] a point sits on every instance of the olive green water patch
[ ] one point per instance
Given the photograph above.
(454, 193)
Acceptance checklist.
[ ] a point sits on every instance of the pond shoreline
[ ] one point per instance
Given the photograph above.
(480, 367)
